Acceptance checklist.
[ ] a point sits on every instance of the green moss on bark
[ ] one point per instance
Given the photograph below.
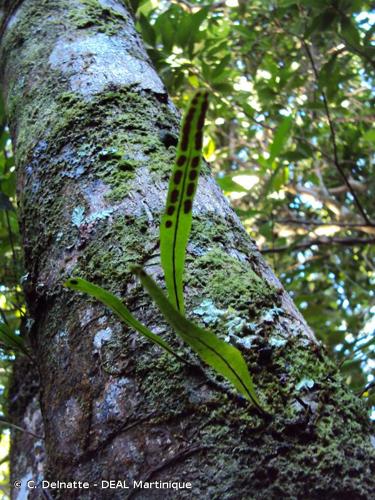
(97, 139)
(226, 280)
(103, 19)
(126, 241)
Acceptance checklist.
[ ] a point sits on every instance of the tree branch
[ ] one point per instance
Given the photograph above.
(333, 135)
(320, 242)
(367, 388)
(7, 9)
(319, 223)
(5, 423)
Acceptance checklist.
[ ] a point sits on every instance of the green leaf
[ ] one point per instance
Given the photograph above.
(369, 136)
(188, 28)
(136, 4)
(224, 358)
(350, 32)
(286, 3)
(12, 341)
(148, 32)
(329, 76)
(120, 310)
(218, 71)
(321, 22)
(228, 185)
(224, 88)
(176, 222)
(166, 29)
(280, 138)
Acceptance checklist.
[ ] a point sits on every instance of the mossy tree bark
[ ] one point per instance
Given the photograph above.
(94, 135)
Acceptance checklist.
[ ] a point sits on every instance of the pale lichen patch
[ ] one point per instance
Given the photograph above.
(117, 401)
(94, 63)
(101, 337)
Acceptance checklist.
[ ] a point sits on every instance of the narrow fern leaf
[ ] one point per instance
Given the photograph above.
(115, 304)
(221, 356)
(176, 221)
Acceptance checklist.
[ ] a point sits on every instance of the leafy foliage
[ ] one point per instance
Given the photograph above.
(11, 300)
(9, 340)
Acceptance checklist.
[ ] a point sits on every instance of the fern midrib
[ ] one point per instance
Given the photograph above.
(225, 362)
(176, 230)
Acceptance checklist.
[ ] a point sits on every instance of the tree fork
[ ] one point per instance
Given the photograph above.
(94, 135)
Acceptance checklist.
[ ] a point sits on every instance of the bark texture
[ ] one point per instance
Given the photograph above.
(94, 135)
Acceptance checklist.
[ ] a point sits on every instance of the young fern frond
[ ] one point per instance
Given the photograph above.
(115, 304)
(176, 221)
(224, 358)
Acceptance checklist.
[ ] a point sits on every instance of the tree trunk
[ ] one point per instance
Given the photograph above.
(94, 135)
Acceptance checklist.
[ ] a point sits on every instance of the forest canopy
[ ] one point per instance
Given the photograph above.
(289, 140)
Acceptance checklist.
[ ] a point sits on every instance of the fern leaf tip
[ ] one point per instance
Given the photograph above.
(71, 283)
